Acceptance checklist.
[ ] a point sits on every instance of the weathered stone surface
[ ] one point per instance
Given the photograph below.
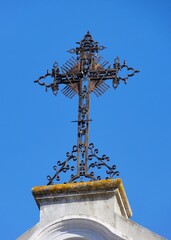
(88, 211)
(87, 198)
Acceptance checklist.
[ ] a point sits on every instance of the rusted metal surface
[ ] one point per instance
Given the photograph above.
(82, 76)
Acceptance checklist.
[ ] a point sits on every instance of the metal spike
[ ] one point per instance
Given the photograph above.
(95, 92)
(70, 94)
(100, 90)
(70, 63)
(103, 88)
(73, 63)
(104, 63)
(67, 90)
(99, 58)
(73, 94)
(68, 69)
(63, 69)
(99, 94)
(64, 89)
(67, 95)
(104, 83)
(75, 60)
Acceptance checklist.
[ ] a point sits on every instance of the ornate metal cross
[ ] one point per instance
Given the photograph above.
(84, 75)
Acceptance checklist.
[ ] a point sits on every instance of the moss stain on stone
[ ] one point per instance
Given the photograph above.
(84, 187)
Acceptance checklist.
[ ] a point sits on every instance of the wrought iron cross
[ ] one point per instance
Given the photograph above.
(84, 75)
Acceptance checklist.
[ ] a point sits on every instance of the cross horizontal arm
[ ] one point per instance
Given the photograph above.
(93, 75)
(60, 79)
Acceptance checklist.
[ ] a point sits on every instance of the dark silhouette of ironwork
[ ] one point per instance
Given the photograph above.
(84, 75)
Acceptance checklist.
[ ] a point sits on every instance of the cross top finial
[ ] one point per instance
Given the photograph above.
(87, 49)
(84, 75)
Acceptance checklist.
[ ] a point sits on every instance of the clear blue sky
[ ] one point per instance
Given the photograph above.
(132, 125)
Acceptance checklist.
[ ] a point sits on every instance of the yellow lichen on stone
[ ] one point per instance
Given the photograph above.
(110, 184)
(78, 188)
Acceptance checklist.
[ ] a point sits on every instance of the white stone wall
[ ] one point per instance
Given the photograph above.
(101, 213)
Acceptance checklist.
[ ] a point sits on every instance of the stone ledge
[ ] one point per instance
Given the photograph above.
(83, 188)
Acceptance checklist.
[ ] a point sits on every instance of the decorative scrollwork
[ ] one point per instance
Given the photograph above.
(101, 161)
(83, 173)
(63, 166)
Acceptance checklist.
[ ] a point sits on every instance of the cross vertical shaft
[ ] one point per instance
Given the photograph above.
(83, 128)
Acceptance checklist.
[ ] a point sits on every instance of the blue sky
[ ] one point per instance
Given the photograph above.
(131, 125)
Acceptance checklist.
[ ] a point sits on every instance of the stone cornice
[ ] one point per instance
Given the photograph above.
(83, 188)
